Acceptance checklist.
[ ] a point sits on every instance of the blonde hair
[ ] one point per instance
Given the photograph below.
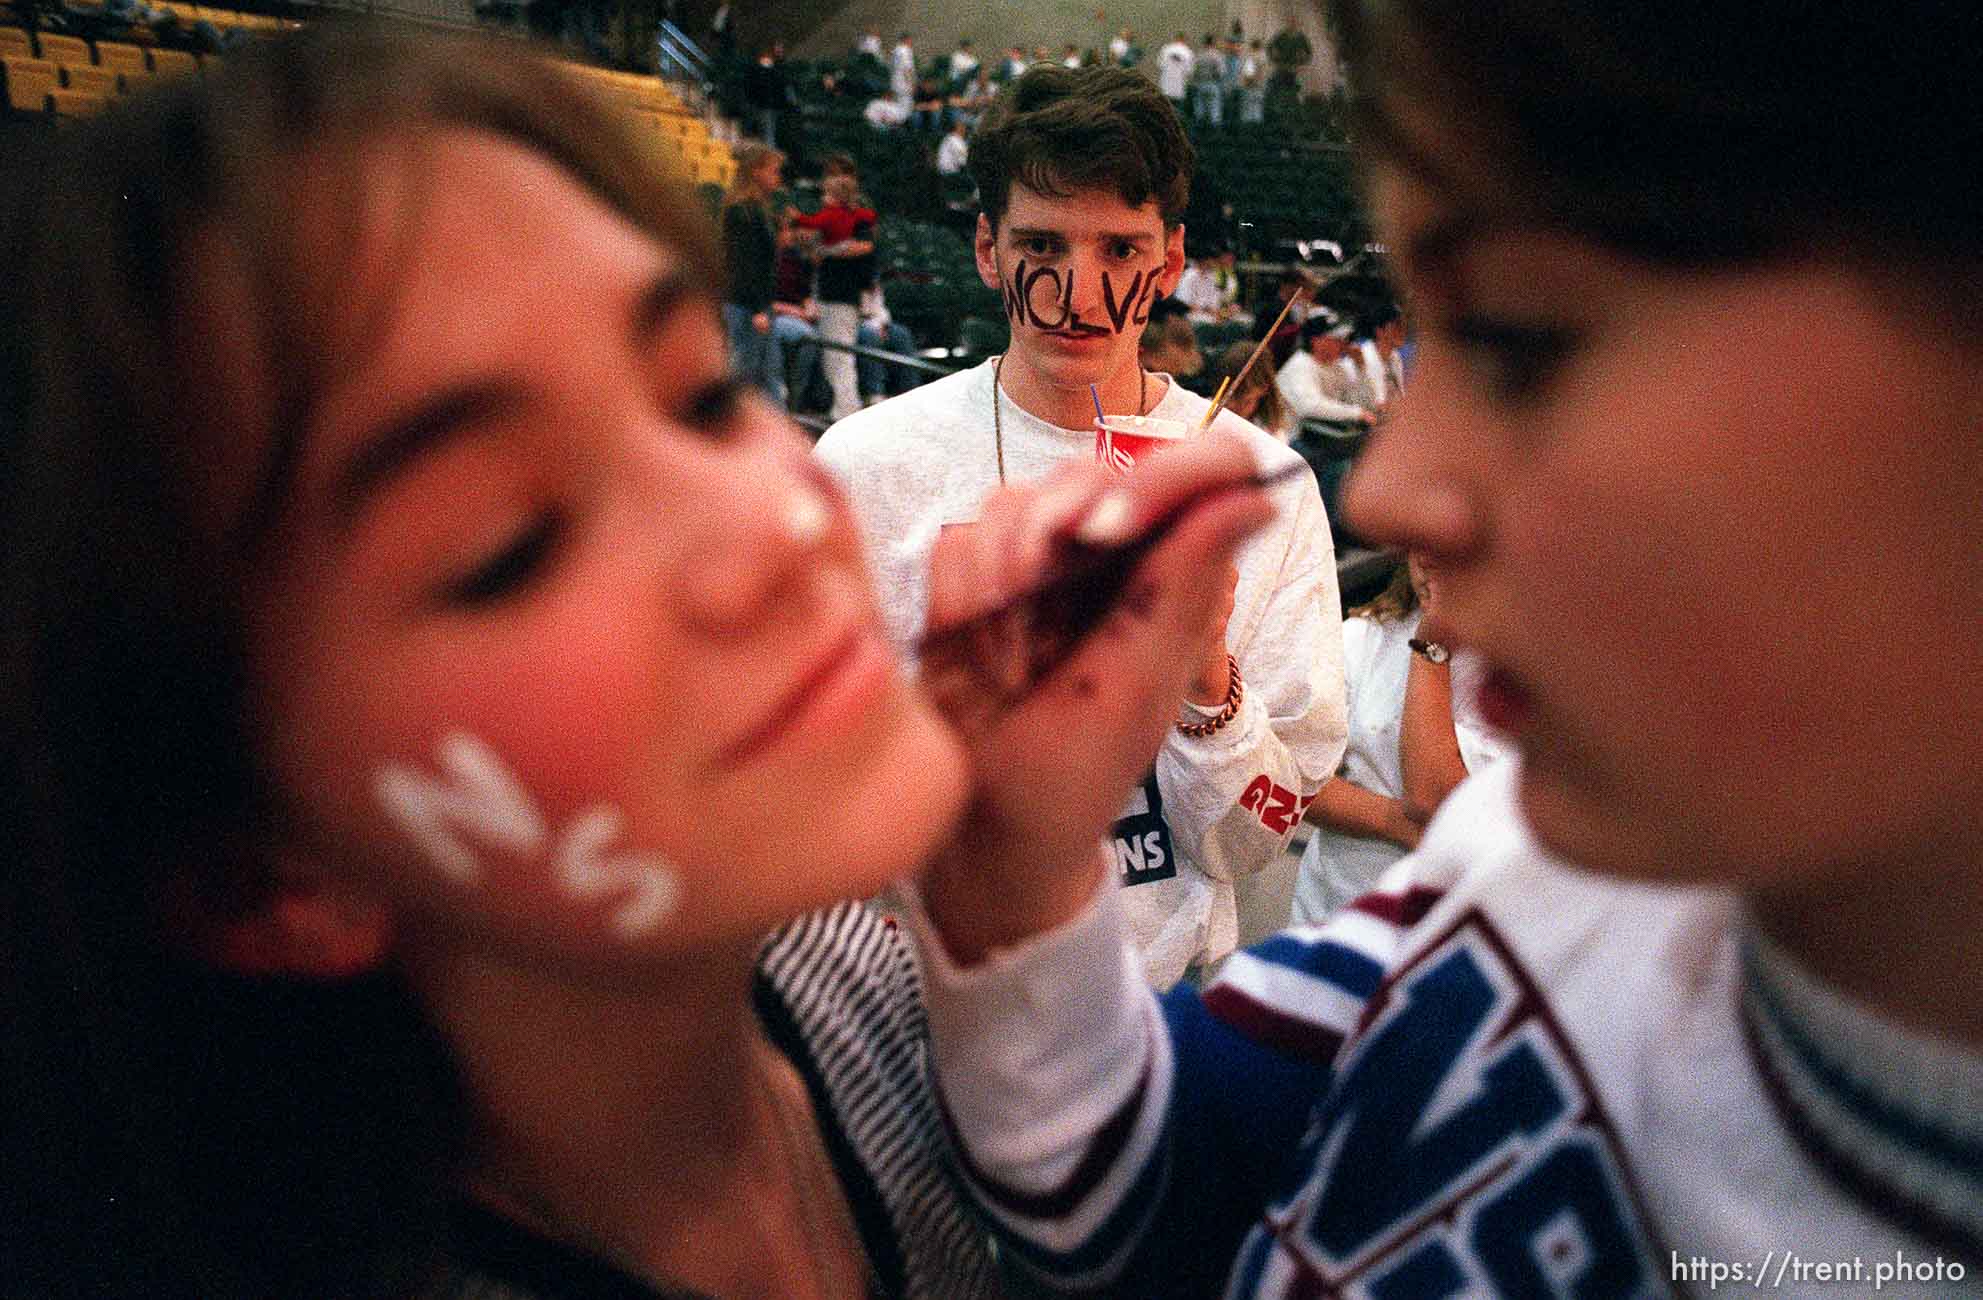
(749, 155)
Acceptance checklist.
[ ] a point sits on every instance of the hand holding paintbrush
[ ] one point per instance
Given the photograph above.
(1082, 567)
(1060, 626)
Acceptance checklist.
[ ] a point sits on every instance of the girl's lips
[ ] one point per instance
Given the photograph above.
(1504, 702)
(833, 692)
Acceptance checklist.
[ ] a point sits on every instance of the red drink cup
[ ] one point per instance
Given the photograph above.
(1122, 440)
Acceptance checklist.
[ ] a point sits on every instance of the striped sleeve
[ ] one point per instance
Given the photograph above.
(1122, 1143)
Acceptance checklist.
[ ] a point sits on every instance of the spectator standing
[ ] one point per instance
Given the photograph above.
(750, 243)
(1208, 83)
(723, 31)
(1290, 51)
(902, 71)
(846, 270)
(768, 90)
(1253, 84)
(963, 64)
(1174, 64)
(869, 43)
(1123, 50)
(1070, 56)
(1264, 712)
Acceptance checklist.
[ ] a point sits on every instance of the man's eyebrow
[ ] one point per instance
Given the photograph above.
(1037, 232)
(420, 432)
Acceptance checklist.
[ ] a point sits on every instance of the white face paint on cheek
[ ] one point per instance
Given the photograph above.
(806, 516)
(478, 797)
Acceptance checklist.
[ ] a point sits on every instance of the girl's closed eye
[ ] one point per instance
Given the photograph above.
(512, 567)
(1517, 359)
(716, 407)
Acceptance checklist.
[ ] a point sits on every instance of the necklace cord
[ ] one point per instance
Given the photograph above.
(998, 429)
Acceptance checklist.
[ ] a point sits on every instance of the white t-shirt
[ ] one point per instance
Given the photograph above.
(1230, 801)
(1174, 69)
(952, 154)
(1315, 391)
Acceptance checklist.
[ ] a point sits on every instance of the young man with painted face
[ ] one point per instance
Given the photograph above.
(1083, 176)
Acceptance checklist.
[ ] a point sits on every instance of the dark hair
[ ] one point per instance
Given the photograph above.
(1698, 133)
(1060, 130)
(172, 1130)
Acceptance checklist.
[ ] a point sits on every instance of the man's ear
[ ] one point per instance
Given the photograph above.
(1173, 258)
(304, 923)
(985, 246)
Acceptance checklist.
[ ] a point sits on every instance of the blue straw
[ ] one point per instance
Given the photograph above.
(1097, 395)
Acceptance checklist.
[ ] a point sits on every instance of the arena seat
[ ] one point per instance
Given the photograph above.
(85, 79)
(173, 63)
(127, 61)
(14, 42)
(28, 82)
(56, 48)
(75, 103)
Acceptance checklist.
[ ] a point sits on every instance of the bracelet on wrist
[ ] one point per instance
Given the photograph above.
(1235, 692)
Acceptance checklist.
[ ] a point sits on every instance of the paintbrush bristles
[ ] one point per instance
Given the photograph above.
(1218, 400)
(1232, 385)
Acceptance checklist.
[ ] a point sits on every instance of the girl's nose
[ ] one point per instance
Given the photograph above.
(760, 537)
(1408, 490)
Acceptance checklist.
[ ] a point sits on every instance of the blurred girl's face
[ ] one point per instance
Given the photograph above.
(1715, 533)
(770, 173)
(562, 642)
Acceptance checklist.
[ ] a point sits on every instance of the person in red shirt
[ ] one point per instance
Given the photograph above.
(846, 267)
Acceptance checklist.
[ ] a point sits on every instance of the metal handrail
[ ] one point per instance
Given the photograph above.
(883, 354)
(674, 46)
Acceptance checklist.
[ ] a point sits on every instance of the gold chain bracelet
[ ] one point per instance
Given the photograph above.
(1235, 692)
